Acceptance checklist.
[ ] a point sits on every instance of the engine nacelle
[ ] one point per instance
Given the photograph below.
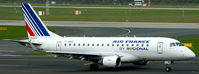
(141, 62)
(111, 61)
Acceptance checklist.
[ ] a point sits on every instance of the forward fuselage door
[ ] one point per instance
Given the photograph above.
(58, 46)
(160, 47)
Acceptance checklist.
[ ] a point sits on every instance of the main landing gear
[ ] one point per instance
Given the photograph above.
(168, 65)
(94, 67)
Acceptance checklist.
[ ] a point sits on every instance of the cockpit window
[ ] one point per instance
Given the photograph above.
(172, 44)
(175, 44)
(179, 44)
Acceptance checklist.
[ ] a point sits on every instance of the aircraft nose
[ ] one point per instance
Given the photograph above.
(190, 54)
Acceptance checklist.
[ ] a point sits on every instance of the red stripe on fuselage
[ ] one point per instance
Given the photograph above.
(29, 30)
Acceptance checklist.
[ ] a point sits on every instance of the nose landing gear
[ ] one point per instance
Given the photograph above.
(168, 65)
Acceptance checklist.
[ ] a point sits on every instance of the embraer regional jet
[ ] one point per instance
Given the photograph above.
(104, 51)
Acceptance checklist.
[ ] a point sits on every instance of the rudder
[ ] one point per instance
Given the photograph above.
(34, 25)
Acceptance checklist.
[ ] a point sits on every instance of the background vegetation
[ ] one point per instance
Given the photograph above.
(108, 2)
(195, 44)
(14, 32)
(108, 15)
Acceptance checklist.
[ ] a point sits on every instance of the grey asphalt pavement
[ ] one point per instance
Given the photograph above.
(50, 65)
(18, 64)
(108, 24)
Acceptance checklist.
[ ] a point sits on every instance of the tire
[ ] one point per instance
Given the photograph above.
(168, 69)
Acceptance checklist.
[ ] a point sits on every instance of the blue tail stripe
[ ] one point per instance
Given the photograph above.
(32, 24)
(32, 27)
(32, 21)
(38, 22)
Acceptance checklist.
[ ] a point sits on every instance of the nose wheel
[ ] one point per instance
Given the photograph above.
(168, 65)
(168, 69)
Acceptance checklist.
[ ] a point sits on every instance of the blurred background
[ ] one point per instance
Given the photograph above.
(102, 10)
(108, 2)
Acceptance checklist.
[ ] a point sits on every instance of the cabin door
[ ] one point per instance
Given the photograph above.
(160, 47)
(58, 46)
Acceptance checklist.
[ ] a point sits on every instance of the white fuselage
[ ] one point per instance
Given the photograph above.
(130, 48)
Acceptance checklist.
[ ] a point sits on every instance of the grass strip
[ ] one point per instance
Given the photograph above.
(195, 44)
(14, 32)
(107, 15)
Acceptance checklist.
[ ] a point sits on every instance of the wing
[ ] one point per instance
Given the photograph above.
(82, 55)
(95, 56)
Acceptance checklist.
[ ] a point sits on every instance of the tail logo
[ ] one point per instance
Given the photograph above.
(34, 25)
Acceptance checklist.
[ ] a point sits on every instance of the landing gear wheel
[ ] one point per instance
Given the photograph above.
(94, 67)
(168, 69)
(168, 65)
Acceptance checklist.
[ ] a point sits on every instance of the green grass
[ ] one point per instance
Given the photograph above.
(71, 5)
(14, 32)
(195, 43)
(191, 5)
(175, 6)
(108, 15)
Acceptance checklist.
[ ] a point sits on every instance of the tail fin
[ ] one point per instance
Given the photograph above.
(34, 25)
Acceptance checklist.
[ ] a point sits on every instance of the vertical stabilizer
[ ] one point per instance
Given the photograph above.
(35, 27)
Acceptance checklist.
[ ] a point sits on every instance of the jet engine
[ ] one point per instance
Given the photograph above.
(111, 61)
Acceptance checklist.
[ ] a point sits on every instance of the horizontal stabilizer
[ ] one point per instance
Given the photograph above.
(25, 42)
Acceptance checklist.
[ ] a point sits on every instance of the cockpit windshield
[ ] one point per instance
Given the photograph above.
(179, 44)
(175, 44)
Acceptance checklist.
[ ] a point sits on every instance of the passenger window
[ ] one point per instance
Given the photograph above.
(78, 44)
(147, 45)
(97, 44)
(137, 44)
(88, 44)
(69, 44)
(127, 44)
(65, 44)
(107, 44)
(102, 44)
(112, 44)
(83, 44)
(122, 44)
(132, 44)
(92, 44)
(142, 45)
(74, 44)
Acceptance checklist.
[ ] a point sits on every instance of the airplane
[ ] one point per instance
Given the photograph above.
(104, 51)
